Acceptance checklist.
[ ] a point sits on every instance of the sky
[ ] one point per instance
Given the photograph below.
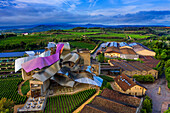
(107, 12)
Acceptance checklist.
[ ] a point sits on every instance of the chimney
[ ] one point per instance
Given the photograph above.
(134, 80)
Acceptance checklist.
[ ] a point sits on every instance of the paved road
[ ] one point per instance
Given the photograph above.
(158, 99)
(94, 54)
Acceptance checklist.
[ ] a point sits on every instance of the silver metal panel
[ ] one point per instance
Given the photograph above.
(63, 80)
(48, 72)
(66, 45)
(73, 57)
(20, 61)
(30, 53)
(97, 81)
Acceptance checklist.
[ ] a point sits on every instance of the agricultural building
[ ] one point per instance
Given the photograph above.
(134, 68)
(142, 50)
(113, 52)
(108, 70)
(128, 86)
(111, 101)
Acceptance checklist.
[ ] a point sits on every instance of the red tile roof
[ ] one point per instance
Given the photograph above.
(111, 101)
(127, 51)
(115, 95)
(112, 49)
(124, 82)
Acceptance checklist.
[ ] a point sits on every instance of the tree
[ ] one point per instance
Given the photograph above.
(6, 105)
(163, 55)
(143, 111)
(101, 57)
(167, 64)
(147, 105)
(167, 111)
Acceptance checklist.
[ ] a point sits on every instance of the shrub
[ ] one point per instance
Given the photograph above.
(105, 84)
(6, 105)
(167, 111)
(147, 105)
(107, 78)
(143, 111)
(101, 57)
(144, 78)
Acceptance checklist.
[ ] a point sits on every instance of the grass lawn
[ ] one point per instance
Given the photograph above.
(25, 87)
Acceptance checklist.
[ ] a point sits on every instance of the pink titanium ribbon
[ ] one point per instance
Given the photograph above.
(43, 61)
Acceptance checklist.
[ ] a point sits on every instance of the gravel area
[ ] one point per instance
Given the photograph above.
(158, 99)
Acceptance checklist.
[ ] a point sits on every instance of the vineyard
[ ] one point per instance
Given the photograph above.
(8, 89)
(67, 103)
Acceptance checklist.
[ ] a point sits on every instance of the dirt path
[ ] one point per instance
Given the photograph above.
(19, 87)
(90, 99)
(17, 106)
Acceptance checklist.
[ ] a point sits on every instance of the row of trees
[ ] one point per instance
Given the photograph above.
(3, 36)
(144, 78)
(162, 49)
(147, 105)
(167, 72)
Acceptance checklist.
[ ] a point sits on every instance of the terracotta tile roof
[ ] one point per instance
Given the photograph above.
(127, 51)
(90, 108)
(123, 65)
(111, 101)
(112, 49)
(149, 61)
(140, 66)
(115, 95)
(140, 47)
(124, 82)
(111, 105)
(103, 67)
(151, 65)
(134, 65)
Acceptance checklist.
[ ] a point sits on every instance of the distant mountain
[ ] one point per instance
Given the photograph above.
(39, 28)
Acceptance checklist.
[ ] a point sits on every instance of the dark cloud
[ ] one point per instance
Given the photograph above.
(142, 17)
(44, 15)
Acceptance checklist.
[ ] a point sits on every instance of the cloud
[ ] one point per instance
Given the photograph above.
(52, 15)
(113, 11)
(129, 1)
(144, 17)
(15, 12)
(92, 3)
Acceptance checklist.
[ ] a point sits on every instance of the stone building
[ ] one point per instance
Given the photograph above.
(142, 50)
(112, 52)
(111, 101)
(134, 68)
(126, 85)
